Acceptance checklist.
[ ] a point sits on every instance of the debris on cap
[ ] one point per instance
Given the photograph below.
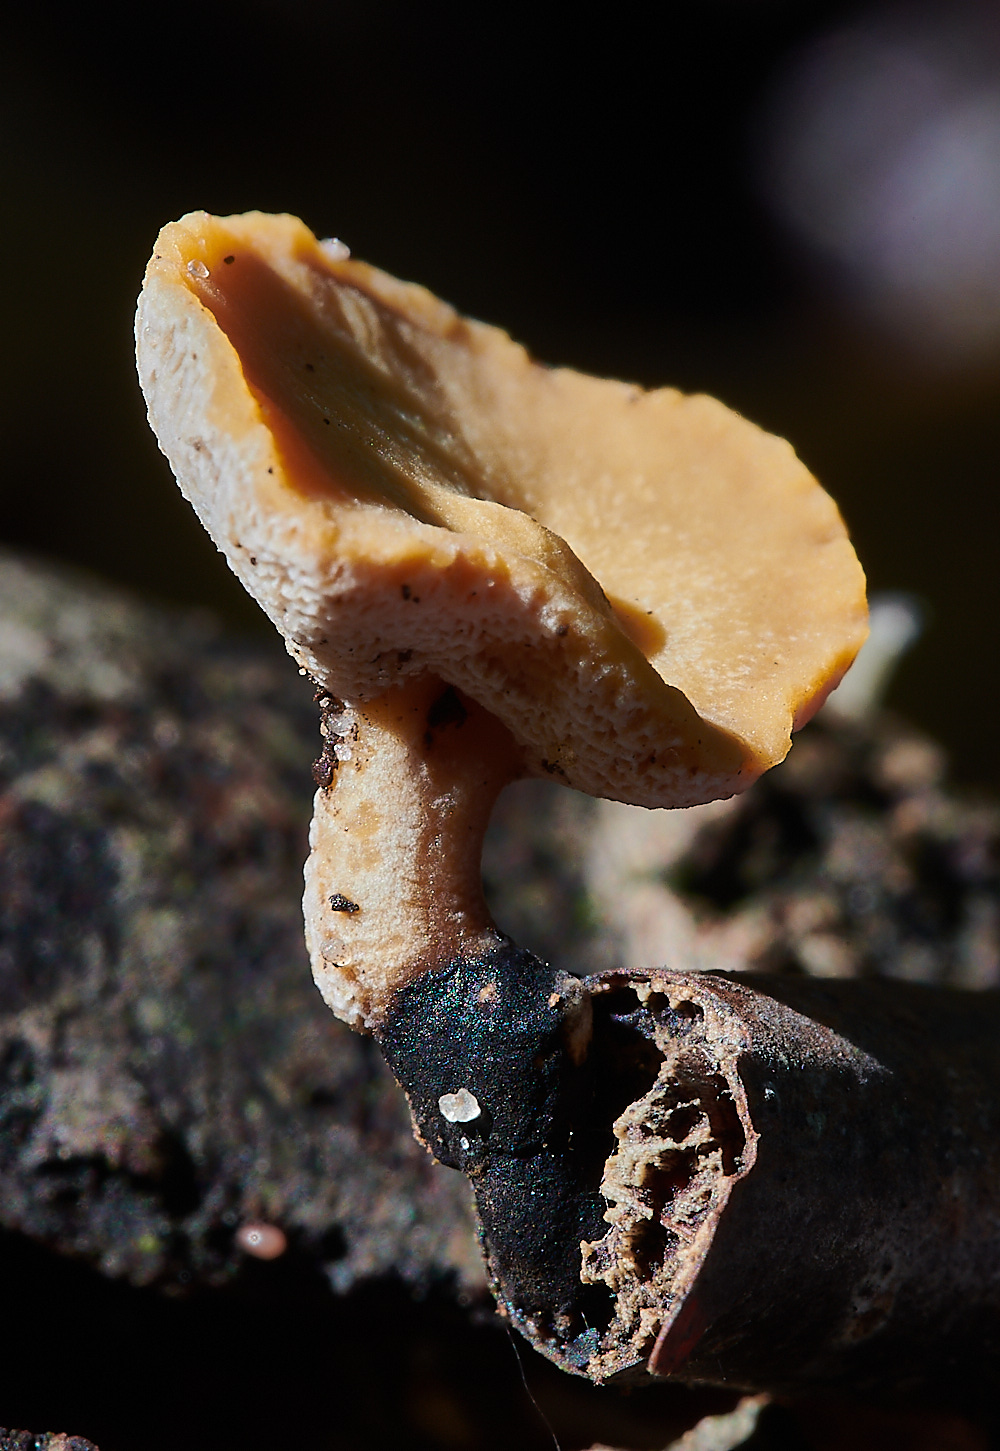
(646, 589)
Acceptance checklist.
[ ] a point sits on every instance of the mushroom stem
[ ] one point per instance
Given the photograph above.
(490, 1043)
(407, 783)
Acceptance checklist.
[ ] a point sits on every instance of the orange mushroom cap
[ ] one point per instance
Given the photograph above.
(646, 589)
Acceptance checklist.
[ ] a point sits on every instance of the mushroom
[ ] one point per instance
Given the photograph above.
(490, 569)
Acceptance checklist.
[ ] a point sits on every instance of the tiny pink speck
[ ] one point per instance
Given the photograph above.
(263, 1241)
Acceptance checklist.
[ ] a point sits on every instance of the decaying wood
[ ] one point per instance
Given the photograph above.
(169, 1076)
(808, 1193)
(773, 1184)
(155, 792)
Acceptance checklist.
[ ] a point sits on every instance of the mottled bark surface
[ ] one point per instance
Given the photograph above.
(47, 1441)
(168, 1073)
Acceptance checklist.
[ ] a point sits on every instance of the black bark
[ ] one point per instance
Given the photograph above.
(773, 1184)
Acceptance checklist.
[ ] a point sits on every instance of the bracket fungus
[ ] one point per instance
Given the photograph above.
(493, 569)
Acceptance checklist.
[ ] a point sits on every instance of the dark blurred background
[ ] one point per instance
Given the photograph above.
(794, 207)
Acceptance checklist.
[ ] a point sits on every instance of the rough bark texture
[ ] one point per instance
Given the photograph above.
(47, 1441)
(851, 859)
(167, 1072)
(800, 1177)
(168, 1069)
(809, 1188)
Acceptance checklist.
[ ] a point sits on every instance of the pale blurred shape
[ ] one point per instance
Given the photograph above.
(726, 1432)
(896, 624)
(882, 153)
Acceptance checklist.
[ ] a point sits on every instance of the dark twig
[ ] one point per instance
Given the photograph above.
(770, 1184)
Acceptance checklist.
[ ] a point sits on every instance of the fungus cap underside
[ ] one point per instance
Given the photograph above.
(405, 492)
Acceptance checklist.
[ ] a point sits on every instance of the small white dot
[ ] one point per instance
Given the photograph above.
(335, 249)
(198, 269)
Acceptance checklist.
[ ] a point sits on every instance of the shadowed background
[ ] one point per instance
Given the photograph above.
(796, 208)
